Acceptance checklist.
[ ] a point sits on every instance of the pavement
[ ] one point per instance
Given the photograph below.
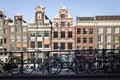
(64, 75)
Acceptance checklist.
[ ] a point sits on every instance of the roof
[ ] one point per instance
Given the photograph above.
(18, 14)
(107, 17)
(63, 7)
(48, 19)
(10, 20)
(85, 19)
(97, 18)
(1, 15)
(39, 7)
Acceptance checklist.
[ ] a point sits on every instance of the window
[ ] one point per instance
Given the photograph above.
(24, 38)
(84, 40)
(18, 38)
(69, 45)
(100, 30)
(5, 31)
(90, 50)
(46, 46)
(0, 32)
(5, 40)
(12, 29)
(108, 46)
(17, 48)
(24, 29)
(55, 45)
(90, 40)
(0, 24)
(116, 46)
(39, 16)
(46, 34)
(32, 44)
(91, 31)
(0, 42)
(62, 45)
(68, 24)
(32, 34)
(78, 30)
(78, 40)
(99, 38)
(56, 24)
(62, 15)
(18, 22)
(115, 39)
(39, 34)
(108, 30)
(62, 34)
(5, 22)
(69, 34)
(39, 23)
(116, 30)
(18, 29)
(84, 50)
(39, 44)
(108, 38)
(62, 24)
(12, 39)
(84, 31)
(11, 47)
(24, 49)
(55, 34)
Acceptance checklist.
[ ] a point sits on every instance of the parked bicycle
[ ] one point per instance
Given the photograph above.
(78, 64)
(49, 65)
(106, 62)
(12, 65)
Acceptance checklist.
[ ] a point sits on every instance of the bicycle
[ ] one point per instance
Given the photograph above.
(115, 61)
(48, 66)
(78, 64)
(93, 64)
(108, 62)
(12, 65)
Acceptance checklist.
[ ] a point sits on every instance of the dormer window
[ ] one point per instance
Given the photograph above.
(62, 15)
(18, 22)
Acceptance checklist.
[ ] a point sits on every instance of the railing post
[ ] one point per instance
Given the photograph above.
(21, 70)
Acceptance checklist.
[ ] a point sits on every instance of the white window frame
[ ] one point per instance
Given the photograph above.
(108, 30)
(12, 39)
(99, 38)
(100, 30)
(108, 38)
(116, 30)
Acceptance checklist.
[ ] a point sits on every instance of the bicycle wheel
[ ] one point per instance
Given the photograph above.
(1, 66)
(28, 66)
(80, 65)
(93, 66)
(60, 66)
(15, 66)
(114, 64)
(51, 66)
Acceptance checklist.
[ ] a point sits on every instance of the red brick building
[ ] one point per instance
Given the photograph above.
(63, 31)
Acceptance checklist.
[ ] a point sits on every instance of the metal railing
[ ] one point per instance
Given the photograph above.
(65, 55)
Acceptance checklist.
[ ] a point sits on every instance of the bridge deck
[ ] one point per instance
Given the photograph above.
(97, 76)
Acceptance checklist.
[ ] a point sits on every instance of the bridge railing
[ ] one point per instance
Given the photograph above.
(65, 55)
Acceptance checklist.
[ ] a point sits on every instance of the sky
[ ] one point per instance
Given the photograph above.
(81, 8)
